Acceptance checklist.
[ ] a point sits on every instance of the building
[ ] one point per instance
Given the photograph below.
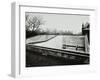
(86, 30)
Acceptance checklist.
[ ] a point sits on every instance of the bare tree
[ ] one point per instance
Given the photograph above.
(32, 23)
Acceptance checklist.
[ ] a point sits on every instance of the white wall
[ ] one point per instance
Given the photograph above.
(5, 38)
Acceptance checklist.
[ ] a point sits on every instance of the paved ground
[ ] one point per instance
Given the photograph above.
(58, 41)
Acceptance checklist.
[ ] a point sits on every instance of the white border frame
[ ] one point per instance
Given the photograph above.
(18, 41)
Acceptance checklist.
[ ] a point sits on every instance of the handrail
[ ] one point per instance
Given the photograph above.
(74, 46)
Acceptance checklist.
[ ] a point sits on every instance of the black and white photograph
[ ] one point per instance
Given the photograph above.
(56, 39)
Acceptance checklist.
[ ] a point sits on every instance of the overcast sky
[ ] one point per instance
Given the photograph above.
(62, 22)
